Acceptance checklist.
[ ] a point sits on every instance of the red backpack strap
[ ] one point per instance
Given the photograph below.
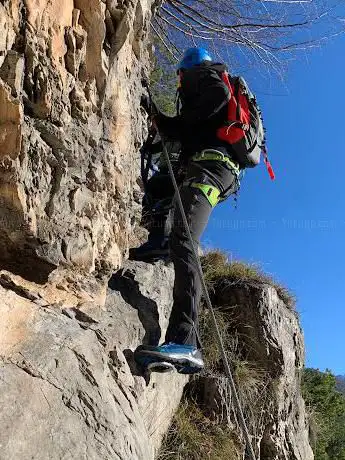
(226, 80)
(237, 97)
(234, 128)
(268, 163)
(232, 104)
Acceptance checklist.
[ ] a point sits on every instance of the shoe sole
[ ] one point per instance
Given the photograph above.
(161, 367)
(182, 364)
(164, 367)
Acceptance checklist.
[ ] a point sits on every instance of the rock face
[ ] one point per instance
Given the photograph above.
(268, 344)
(69, 388)
(70, 127)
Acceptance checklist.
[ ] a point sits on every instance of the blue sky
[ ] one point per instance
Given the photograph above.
(294, 228)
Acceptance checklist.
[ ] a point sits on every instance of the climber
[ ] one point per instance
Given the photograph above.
(210, 172)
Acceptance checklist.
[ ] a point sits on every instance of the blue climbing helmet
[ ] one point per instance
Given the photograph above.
(193, 56)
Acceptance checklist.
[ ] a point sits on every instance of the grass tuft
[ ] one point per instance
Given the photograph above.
(193, 436)
(216, 267)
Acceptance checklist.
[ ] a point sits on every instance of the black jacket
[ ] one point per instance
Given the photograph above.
(204, 98)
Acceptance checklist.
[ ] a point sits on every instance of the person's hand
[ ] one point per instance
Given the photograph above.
(153, 119)
(154, 110)
(146, 103)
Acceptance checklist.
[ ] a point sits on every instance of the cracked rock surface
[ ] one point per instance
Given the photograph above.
(69, 388)
(269, 344)
(70, 128)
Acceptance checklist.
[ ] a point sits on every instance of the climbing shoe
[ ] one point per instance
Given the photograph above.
(186, 359)
(154, 249)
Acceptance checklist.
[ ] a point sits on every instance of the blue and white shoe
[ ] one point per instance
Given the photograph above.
(186, 359)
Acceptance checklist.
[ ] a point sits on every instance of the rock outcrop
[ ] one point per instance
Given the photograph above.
(69, 388)
(70, 127)
(266, 344)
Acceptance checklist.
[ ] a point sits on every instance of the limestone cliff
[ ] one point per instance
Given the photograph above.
(69, 388)
(70, 126)
(70, 129)
(266, 344)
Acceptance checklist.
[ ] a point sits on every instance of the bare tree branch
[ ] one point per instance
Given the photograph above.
(236, 26)
(164, 42)
(164, 31)
(259, 29)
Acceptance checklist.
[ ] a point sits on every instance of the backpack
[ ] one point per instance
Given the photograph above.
(244, 129)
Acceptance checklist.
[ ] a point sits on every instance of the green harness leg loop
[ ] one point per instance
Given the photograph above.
(215, 155)
(210, 192)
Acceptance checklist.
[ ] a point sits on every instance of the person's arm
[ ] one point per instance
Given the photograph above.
(168, 126)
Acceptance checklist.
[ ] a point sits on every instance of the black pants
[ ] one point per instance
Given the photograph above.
(183, 324)
(157, 204)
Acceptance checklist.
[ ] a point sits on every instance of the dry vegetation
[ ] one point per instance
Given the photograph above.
(217, 268)
(194, 436)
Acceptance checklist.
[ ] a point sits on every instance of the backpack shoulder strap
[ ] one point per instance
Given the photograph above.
(237, 97)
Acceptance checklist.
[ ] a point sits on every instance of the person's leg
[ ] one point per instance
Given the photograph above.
(182, 347)
(183, 324)
(184, 316)
(157, 203)
(156, 206)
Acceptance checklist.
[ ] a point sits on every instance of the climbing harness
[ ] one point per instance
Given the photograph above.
(207, 298)
(215, 155)
(210, 192)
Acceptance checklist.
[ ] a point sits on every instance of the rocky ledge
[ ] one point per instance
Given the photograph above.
(69, 388)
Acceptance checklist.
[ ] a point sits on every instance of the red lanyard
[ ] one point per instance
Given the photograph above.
(268, 164)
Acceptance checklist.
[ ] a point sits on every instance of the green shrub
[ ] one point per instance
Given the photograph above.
(326, 407)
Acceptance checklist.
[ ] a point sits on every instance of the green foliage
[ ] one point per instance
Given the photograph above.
(163, 81)
(163, 90)
(341, 383)
(327, 414)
